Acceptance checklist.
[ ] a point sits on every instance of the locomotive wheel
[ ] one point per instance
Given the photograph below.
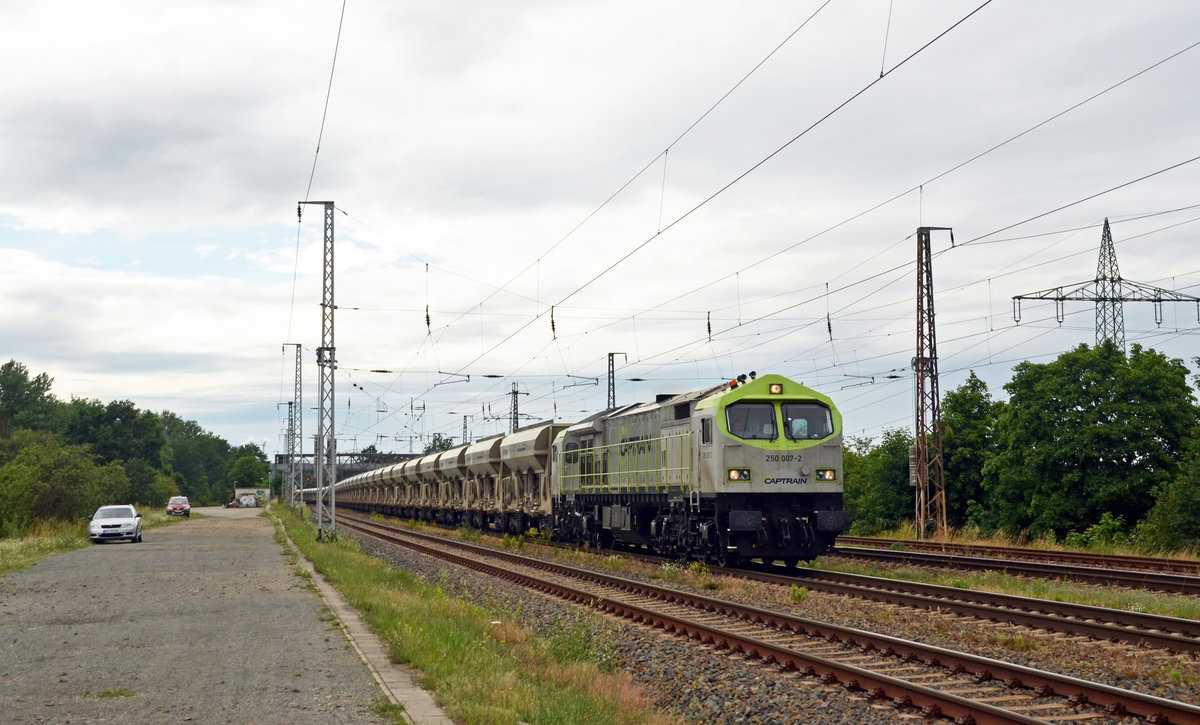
(791, 561)
(726, 559)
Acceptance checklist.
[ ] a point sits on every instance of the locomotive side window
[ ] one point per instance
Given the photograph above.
(806, 421)
(751, 421)
(706, 430)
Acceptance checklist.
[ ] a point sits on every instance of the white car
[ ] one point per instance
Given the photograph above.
(115, 523)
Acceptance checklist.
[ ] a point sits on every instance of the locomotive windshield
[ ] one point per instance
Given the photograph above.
(751, 421)
(806, 421)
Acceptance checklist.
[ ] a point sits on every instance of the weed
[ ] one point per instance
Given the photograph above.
(122, 692)
(798, 594)
(385, 708)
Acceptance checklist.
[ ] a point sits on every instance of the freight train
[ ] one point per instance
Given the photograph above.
(749, 469)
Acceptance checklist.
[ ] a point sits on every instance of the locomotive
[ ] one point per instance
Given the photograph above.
(749, 469)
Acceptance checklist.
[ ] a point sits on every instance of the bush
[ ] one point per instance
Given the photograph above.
(48, 480)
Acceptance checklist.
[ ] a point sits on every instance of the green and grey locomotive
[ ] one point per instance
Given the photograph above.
(750, 469)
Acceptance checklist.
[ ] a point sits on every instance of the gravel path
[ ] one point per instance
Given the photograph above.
(202, 622)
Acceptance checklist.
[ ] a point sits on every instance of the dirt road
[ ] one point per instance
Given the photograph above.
(203, 621)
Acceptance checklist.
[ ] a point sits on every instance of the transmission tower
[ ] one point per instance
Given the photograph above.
(325, 454)
(929, 471)
(1109, 292)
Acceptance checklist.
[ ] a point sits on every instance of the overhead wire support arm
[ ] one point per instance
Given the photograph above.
(464, 378)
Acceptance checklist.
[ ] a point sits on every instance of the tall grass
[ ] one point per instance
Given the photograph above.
(481, 665)
(46, 539)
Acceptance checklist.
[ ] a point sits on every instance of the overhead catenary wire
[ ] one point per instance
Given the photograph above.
(988, 241)
(736, 179)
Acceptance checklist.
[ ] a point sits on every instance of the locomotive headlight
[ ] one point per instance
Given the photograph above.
(775, 389)
(826, 474)
(738, 475)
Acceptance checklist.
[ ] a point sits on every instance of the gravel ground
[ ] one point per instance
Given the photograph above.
(704, 685)
(202, 622)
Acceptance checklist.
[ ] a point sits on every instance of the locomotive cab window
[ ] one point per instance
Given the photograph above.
(806, 421)
(751, 421)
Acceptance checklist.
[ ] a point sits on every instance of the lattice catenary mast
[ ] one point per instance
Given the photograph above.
(612, 379)
(1109, 292)
(928, 470)
(325, 445)
(296, 435)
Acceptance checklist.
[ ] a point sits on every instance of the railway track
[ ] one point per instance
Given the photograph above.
(1130, 578)
(932, 681)
(1173, 634)
(1104, 561)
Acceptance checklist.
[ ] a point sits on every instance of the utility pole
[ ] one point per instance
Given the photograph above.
(612, 380)
(1109, 292)
(325, 461)
(930, 479)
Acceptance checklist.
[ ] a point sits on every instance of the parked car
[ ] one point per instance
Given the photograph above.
(179, 506)
(115, 523)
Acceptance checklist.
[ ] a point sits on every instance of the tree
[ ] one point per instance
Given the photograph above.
(248, 472)
(1091, 433)
(968, 417)
(49, 480)
(196, 458)
(117, 431)
(24, 401)
(1173, 523)
(878, 495)
(439, 443)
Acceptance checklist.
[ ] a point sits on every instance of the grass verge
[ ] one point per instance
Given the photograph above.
(58, 537)
(481, 665)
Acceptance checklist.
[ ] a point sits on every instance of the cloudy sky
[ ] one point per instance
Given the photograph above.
(708, 188)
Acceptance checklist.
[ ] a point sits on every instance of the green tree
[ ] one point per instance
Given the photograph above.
(117, 431)
(878, 495)
(1091, 433)
(197, 459)
(49, 480)
(24, 401)
(968, 418)
(248, 472)
(1173, 523)
(439, 443)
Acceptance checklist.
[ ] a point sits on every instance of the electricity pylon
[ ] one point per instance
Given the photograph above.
(1109, 292)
